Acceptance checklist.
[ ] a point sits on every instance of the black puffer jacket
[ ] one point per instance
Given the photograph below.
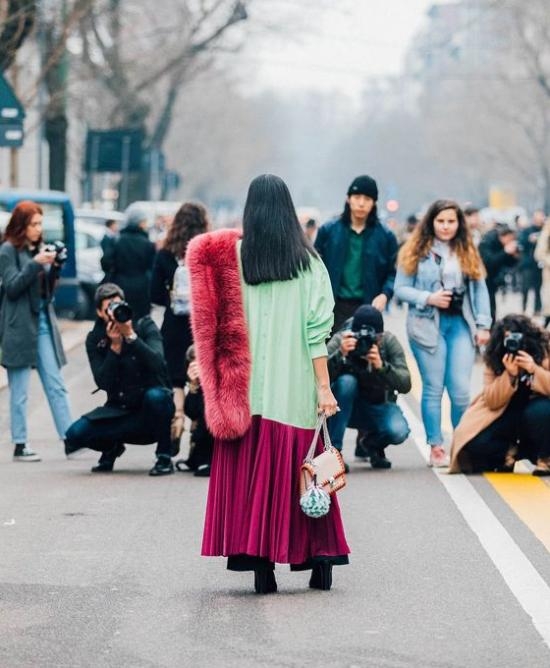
(128, 263)
(127, 376)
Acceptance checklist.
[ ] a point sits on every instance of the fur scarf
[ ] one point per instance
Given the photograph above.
(220, 332)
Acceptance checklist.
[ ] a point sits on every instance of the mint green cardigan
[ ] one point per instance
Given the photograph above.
(288, 324)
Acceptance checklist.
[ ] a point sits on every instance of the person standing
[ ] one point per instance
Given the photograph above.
(190, 220)
(499, 252)
(531, 273)
(262, 311)
(542, 257)
(359, 253)
(29, 336)
(129, 261)
(110, 236)
(440, 276)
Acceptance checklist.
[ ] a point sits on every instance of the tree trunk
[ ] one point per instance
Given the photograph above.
(56, 136)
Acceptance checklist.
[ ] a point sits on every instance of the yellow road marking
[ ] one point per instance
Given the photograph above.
(529, 498)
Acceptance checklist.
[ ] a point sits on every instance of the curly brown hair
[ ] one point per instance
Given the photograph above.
(190, 220)
(16, 229)
(421, 240)
(536, 341)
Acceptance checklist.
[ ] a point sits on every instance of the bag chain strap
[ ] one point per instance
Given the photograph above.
(321, 424)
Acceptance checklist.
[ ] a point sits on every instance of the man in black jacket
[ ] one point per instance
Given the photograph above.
(368, 369)
(128, 364)
(359, 253)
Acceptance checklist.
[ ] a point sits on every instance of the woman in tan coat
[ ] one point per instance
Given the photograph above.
(510, 419)
(542, 256)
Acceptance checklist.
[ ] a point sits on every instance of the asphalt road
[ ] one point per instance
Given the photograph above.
(105, 572)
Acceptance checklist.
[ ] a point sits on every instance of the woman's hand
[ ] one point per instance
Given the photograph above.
(525, 361)
(511, 364)
(440, 299)
(482, 337)
(326, 403)
(45, 257)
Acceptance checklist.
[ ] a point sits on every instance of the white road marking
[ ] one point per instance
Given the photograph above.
(519, 574)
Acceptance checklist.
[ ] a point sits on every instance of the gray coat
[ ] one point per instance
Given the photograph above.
(20, 276)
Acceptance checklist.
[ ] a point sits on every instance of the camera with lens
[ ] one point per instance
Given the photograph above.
(60, 250)
(366, 338)
(512, 342)
(120, 311)
(457, 301)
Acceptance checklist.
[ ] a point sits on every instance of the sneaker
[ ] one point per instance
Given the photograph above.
(438, 457)
(542, 467)
(202, 471)
(23, 454)
(163, 466)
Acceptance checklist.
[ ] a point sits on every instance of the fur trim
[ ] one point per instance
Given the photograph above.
(220, 332)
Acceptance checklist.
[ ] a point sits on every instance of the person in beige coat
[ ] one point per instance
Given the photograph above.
(510, 419)
(542, 256)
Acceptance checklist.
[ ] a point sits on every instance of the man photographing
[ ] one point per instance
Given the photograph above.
(127, 362)
(368, 369)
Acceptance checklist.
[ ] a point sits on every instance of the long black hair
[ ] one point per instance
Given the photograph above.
(274, 246)
(536, 341)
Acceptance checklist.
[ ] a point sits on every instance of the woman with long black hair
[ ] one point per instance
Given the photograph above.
(510, 419)
(190, 220)
(29, 336)
(262, 311)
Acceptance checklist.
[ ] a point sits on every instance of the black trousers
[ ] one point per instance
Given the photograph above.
(528, 426)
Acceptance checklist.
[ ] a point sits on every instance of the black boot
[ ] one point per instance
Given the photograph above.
(107, 459)
(264, 578)
(378, 459)
(321, 576)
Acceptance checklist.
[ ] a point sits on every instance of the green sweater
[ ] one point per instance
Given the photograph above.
(288, 324)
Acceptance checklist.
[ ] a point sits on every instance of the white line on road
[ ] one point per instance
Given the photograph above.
(519, 574)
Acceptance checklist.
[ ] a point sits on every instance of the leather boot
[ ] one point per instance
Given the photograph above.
(321, 576)
(264, 578)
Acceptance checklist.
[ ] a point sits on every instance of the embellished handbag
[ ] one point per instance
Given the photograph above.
(320, 476)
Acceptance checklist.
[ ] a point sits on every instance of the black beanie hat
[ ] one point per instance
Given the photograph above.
(364, 185)
(368, 316)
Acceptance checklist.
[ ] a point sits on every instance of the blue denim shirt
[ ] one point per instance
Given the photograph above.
(423, 319)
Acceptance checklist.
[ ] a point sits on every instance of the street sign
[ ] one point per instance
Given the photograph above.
(117, 150)
(12, 115)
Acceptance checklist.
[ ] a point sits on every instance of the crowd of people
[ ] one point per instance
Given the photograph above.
(266, 327)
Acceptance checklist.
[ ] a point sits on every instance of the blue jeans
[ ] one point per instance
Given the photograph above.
(450, 367)
(148, 424)
(52, 382)
(385, 423)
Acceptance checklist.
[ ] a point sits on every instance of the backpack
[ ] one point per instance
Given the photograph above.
(180, 297)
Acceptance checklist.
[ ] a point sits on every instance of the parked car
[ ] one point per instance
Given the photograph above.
(88, 238)
(98, 216)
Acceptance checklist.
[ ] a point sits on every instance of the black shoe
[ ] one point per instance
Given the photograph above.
(361, 451)
(321, 576)
(202, 471)
(264, 579)
(378, 459)
(163, 466)
(107, 459)
(70, 449)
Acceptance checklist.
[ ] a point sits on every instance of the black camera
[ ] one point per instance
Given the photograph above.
(120, 311)
(366, 338)
(457, 301)
(60, 250)
(512, 342)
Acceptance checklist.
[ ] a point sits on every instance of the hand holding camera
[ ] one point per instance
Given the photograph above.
(348, 343)
(440, 299)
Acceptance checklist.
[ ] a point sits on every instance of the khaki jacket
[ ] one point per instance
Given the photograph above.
(489, 405)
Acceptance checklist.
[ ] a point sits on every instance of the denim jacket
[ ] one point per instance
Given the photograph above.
(423, 319)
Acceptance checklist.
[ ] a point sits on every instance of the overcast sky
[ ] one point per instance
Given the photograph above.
(321, 45)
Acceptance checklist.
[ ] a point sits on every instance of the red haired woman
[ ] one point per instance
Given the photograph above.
(29, 336)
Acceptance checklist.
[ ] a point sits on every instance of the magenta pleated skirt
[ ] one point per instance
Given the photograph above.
(253, 499)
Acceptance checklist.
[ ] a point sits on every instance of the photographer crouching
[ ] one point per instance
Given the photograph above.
(368, 369)
(510, 419)
(127, 361)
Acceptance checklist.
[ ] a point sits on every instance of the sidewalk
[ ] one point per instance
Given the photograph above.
(73, 333)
